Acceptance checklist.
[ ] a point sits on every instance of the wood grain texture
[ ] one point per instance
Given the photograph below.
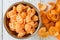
(1, 20)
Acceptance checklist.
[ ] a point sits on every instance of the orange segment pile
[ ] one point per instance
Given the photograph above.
(22, 19)
(50, 19)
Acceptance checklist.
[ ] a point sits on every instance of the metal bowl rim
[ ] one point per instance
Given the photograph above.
(38, 16)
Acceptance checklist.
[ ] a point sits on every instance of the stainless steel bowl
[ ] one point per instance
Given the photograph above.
(6, 22)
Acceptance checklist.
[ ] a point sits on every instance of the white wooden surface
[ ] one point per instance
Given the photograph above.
(1, 20)
(7, 3)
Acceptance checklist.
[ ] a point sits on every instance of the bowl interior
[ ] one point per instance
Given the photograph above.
(6, 20)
